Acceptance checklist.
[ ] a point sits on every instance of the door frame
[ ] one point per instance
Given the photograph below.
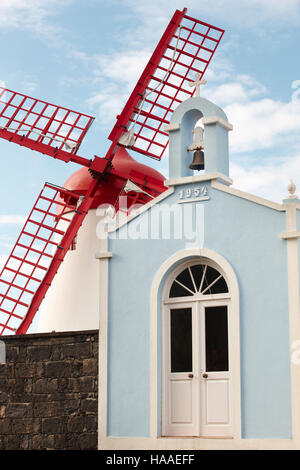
(198, 305)
(156, 308)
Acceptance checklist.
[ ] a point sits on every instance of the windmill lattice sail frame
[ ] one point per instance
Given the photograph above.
(186, 48)
(37, 254)
(42, 126)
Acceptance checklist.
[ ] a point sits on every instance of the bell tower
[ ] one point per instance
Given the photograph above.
(202, 147)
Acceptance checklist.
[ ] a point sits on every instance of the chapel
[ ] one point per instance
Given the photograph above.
(196, 296)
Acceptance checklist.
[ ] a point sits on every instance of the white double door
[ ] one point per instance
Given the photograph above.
(196, 370)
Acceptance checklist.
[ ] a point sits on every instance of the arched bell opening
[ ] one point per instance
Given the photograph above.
(193, 138)
(197, 147)
(210, 155)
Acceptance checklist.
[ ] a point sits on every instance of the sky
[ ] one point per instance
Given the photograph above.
(87, 55)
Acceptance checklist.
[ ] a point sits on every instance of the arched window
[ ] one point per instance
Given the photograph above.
(198, 279)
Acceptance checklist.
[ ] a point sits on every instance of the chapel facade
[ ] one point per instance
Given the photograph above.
(199, 311)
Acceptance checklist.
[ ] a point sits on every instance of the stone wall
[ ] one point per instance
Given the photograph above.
(49, 392)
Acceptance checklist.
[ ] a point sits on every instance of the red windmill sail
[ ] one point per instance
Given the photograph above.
(37, 255)
(186, 47)
(42, 126)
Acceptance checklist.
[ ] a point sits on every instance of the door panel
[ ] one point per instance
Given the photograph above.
(181, 401)
(216, 338)
(181, 390)
(215, 385)
(181, 340)
(217, 395)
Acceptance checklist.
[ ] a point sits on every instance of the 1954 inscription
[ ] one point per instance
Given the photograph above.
(193, 194)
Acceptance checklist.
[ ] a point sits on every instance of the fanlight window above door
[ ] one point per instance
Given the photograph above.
(198, 279)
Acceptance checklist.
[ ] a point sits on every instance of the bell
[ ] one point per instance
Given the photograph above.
(198, 161)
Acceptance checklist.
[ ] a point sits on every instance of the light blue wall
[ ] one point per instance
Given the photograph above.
(132, 270)
(248, 236)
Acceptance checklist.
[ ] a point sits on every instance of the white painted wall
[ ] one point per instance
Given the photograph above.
(72, 301)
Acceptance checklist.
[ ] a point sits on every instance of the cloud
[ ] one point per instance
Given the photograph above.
(245, 13)
(220, 69)
(263, 124)
(270, 179)
(259, 121)
(123, 67)
(12, 219)
(33, 15)
(241, 90)
(116, 75)
(29, 87)
(107, 102)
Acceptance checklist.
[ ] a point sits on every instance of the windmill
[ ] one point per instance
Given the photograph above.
(185, 49)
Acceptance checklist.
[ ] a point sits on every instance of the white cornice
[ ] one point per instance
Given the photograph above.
(290, 235)
(217, 120)
(250, 197)
(103, 255)
(172, 127)
(198, 179)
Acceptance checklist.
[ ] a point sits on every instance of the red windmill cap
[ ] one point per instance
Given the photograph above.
(108, 192)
